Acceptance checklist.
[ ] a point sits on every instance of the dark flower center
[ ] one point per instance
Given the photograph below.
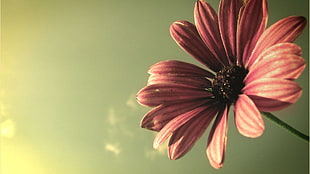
(228, 83)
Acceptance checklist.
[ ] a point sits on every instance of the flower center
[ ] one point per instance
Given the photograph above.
(228, 83)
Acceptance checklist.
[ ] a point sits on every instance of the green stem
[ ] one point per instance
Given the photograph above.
(286, 126)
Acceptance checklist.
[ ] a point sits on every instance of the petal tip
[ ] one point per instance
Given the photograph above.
(172, 155)
(139, 97)
(254, 134)
(215, 164)
(156, 144)
(303, 19)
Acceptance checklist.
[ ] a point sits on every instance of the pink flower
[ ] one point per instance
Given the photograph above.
(247, 66)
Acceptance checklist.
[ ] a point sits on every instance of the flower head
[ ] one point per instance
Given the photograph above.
(248, 67)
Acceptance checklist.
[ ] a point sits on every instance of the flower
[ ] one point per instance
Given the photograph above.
(248, 66)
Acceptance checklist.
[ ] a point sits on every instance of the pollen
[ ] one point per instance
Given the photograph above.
(228, 83)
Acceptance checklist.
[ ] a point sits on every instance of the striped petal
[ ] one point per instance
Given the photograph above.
(154, 95)
(252, 23)
(283, 66)
(277, 49)
(285, 30)
(183, 139)
(179, 68)
(270, 94)
(180, 73)
(158, 117)
(248, 119)
(217, 140)
(206, 21)
(228, 16)
(186, 36)
(201, 82)
(175, 123)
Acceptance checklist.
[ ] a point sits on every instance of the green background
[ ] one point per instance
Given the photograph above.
(69, 74)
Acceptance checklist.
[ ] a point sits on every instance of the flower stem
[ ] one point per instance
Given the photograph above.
(286, 126)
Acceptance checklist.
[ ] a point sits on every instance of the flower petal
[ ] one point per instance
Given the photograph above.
(175, 123)
(158, 117)
(179, 68)
(192, 81)
(180, 73)
(154, 95)
(285, 30)
(183, 139)
(283, 66)
(187, 37)
(252, 23)
(248, 119)
(228, 15)
(270, 94)
(217, 140)
(277, 49)
(207, 25)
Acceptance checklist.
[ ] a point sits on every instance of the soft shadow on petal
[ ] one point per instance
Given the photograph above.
(179, 68)
(217, 140)
(277, 49)
(285, 30)
(269, 105)
(270, 94)
(187, 37)
(206, 21)
(283, 66)
(228, 15)
(177, 122)
(252, 23)
(154, 95)
(248, 119)
(183, 139)
(158, 117)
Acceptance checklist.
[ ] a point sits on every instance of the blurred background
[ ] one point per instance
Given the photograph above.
(69, 74)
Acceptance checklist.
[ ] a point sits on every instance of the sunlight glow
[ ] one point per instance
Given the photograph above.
(113, 148)
(22, 158)
(7, 128)
(112, 119)
(131, 102)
